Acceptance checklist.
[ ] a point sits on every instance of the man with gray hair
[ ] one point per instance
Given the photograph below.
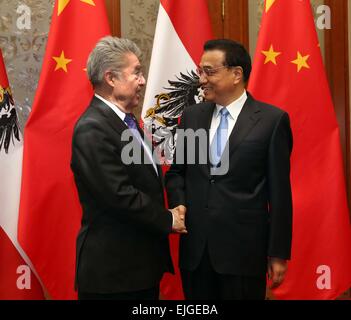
(122, 246)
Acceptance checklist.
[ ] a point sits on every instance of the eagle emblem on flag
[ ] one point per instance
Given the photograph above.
(9, 126)
(161, 120)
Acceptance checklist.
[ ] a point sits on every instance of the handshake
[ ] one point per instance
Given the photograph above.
(178, 214)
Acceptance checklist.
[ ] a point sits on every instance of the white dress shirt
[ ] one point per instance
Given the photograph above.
(234, 110)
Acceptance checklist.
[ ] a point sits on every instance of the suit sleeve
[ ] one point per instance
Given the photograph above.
(97, 163)
(280, 198)
(175, 176)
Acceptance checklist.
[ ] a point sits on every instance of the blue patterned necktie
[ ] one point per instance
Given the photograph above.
(132, 125)
(130, 121)
(220, 138)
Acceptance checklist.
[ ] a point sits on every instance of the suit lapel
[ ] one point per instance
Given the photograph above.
(248, 118)
(119, 126)
(204, 122)
(111, 117)
(205, 117)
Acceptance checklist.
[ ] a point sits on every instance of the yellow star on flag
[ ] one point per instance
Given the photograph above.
(271, 55)
(301, 61)
(62, 62)
(62, 5)
(269, 3)
(91, 2)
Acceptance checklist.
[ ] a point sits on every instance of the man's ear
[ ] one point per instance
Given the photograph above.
(238, 74)
(110, 78)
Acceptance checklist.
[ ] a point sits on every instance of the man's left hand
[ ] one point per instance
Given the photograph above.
(276, 271)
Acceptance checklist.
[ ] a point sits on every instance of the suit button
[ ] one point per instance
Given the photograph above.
(212, 181)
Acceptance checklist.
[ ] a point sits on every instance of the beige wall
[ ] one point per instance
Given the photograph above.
(255, 14)
(138, 22)
(23, 50)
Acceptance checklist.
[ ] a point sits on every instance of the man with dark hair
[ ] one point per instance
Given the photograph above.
(238, 205)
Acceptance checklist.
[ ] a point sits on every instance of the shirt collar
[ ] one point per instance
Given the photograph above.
(117, 110)
(234, 108)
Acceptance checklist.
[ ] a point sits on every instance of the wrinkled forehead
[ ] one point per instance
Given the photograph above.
(131, 61)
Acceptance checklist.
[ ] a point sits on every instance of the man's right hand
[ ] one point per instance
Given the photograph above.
(178, 219)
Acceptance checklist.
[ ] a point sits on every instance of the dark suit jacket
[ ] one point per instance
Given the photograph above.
(244, 215)
(123, 244)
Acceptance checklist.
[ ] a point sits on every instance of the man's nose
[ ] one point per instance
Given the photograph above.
(202, 78)
(142, 81)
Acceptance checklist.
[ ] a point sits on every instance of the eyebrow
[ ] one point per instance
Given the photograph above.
(209, 67)
(204, 66)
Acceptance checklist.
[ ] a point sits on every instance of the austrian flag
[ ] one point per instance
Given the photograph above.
(16, 278)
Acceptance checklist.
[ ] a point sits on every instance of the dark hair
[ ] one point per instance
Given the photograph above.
(235, 54)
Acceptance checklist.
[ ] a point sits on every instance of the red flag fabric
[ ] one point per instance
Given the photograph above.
(16, 278)
(50, 212)
(181, 30)
(17, 281)
(288, 72)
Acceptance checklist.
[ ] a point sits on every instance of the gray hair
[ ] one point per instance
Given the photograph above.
(109, 54)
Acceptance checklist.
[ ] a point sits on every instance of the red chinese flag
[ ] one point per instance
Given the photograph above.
(50, 212)
(288, 72)
(182, 28)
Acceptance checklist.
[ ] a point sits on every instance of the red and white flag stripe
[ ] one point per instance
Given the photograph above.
(16, 278)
